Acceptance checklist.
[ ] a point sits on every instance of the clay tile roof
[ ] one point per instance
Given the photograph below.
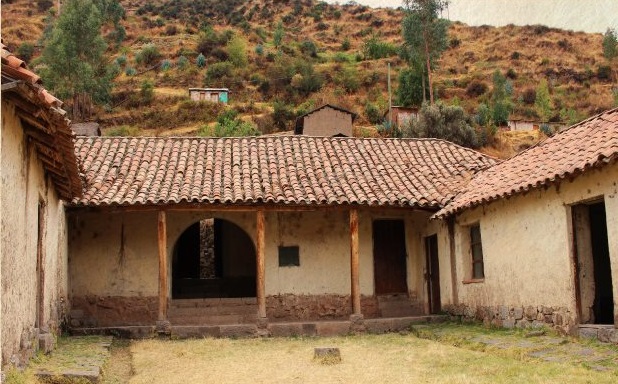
(44, 123)
(283, 170)
(593, 143)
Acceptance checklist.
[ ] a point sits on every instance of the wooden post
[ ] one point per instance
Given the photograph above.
(355, 289)
(261, 292)
(162, 237)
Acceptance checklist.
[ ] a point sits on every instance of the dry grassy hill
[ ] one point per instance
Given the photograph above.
(321, 58)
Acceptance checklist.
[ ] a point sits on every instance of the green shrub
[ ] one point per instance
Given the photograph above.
(345, 44)
(476, 88)
(182, 62)
(604, 72)
(219, 70)
(237, 52)
(130, 71)
(200, 61)
(259, 50)
(610, 44)
(229, 125)
(148, 55)
(376, 49)
(166, 65)
(25, 51)
(146, 91)
(309, 48)
(348, 79)
(373, 114)
(121, 60)
(442, 122)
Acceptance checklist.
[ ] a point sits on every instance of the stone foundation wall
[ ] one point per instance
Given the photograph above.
(515, 316)
(109, 311)
(290, 307)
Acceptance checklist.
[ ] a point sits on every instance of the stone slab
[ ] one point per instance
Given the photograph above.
(189, 331)
(332, 328)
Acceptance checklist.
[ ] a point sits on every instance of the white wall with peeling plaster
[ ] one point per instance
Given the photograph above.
(528, 244)
(24, 185)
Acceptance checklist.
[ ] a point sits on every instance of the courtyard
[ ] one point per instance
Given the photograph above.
(437, 353)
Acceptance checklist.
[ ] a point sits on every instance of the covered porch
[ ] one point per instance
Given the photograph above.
(277, 270)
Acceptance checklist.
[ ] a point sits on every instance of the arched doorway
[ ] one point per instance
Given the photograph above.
(213, 258)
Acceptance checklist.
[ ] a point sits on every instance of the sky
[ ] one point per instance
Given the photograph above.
(577, 15)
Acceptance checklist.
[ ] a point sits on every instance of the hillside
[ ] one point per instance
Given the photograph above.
(320, 58)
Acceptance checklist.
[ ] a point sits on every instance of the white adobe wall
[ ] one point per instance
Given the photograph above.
(527, 246)
(23, 186)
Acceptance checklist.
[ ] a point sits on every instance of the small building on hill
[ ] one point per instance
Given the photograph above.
(90, 128)
(327, 120)
(215, 95)
(401, 115)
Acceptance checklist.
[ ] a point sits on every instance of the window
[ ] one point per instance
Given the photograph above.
(288, 256)
(476, 248)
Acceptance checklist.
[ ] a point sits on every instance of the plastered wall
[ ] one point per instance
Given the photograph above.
(116, 254)
(527, 244)
(23, 186)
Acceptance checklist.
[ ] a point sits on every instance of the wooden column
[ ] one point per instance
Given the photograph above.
(261, 291)
(163, 290)
(355, 288)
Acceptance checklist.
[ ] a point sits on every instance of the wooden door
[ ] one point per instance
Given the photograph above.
(433, 274)
(389, 257)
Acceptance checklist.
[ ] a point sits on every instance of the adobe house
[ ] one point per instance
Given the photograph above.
(215, 95)
(536, 236)
(225, 235)
(327, 120)
(401, 115)
(39, 171)
(90, 128)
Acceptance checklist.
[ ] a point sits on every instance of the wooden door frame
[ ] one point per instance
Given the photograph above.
(429, 275)
(405, 248)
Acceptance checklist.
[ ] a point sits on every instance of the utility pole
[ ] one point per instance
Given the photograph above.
(390, 99)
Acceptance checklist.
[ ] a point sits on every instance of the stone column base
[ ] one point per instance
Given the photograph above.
(163, 327)
(262, 327)
(357, 323)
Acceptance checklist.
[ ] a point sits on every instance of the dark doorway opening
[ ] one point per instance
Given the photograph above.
(433, 274)
(594, 284)
(389, 257)
(213, 258)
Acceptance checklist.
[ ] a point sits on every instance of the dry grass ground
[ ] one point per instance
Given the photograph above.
(372, 359)
(444, 353)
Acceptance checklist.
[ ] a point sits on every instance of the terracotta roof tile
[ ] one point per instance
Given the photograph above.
(590, 144)
(48, 127)
(288, 170)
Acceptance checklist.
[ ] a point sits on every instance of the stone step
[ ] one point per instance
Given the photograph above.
(211, 319)
(218, 310)
(395, 306)
(212, 302)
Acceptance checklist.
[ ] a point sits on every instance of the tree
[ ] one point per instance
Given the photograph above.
(74, 67)
(542, 102)
(610, 44)
(425, 33)
(237, 51)
(500, 99)
(410, 91)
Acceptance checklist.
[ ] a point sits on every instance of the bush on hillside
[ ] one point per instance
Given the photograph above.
(148, 55)
(375, 49)
(442, 121)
